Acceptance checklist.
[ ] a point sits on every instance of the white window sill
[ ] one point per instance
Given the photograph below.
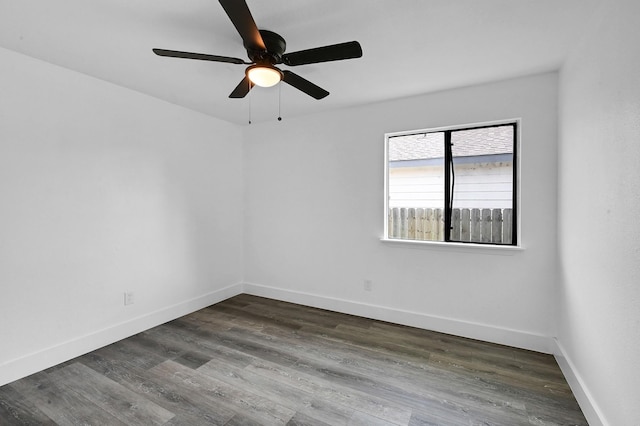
(503, 250)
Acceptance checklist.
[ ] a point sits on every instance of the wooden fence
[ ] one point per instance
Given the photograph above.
(474, 225)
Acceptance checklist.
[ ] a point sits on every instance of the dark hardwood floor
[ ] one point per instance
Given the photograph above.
(256, 361)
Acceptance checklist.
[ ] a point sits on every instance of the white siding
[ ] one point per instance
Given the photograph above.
(486, 185)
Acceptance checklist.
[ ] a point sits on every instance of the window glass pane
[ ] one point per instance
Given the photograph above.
(416, 187)
(482, 185)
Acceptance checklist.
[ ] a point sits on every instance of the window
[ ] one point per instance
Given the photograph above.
(453, 185)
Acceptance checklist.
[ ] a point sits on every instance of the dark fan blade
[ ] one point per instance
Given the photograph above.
(334, 52)
(240, 16)
(241, 89)
(200, 56)
(305, 85)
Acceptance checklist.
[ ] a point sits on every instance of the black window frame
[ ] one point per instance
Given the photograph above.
(449, 181)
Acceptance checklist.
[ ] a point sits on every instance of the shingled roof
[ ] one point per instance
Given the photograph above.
(466, 143)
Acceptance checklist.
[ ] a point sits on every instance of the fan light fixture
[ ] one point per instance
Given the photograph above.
(264, 75)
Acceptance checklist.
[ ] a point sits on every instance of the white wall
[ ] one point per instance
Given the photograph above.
(104, 190)
(599, 324)
(314, 217)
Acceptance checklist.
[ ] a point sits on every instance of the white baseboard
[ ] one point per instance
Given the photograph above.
(588, 405)
(487, 333)
(54, 355)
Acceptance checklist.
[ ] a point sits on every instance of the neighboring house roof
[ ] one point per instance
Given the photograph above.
(466, 143)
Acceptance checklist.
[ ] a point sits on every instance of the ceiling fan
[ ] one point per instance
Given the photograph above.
(266, 49)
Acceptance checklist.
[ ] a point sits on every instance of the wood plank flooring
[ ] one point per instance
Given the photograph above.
(256, 361)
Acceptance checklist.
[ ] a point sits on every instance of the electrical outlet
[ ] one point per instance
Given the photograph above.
(368, 285)
(128, 298)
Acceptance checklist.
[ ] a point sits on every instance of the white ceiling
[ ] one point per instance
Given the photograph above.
(410, 46)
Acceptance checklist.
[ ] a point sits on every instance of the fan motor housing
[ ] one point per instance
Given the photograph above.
(275, 45)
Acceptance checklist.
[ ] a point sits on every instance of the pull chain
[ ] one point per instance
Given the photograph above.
(279, 101)
(249, 82)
